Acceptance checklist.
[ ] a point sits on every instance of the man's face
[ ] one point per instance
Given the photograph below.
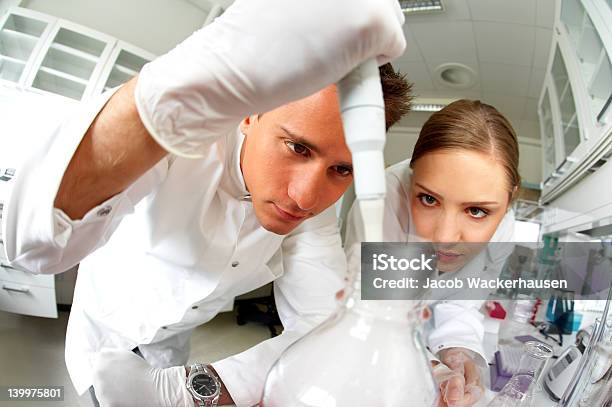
(294, 160)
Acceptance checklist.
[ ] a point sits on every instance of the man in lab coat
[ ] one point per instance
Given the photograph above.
(215, 210)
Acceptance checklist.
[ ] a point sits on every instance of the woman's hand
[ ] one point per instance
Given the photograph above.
(459, 378)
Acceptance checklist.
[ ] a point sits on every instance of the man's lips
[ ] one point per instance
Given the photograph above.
(283, 214)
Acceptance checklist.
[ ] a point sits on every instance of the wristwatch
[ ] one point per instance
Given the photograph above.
(204, 385)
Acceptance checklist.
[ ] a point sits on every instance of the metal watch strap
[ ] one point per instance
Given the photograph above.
(201, 368)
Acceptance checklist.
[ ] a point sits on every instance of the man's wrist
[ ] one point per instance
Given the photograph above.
(224, 396)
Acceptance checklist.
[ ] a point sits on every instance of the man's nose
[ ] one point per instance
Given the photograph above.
(447, 229)
(306, 187)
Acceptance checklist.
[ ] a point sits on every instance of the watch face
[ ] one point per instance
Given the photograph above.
(204, 385)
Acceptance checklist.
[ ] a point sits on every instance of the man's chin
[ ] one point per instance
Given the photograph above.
(279, 227)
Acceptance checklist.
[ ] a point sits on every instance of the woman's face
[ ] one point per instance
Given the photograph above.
(457, 196)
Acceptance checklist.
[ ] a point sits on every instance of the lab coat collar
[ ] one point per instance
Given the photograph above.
(238, 186)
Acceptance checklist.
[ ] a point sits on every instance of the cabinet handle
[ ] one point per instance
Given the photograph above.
(16, 289)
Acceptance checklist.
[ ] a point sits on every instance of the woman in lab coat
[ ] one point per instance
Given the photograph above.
(457, 188)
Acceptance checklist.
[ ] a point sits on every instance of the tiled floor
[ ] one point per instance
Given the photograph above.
(32, 351)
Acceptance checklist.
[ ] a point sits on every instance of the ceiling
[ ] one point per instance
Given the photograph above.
(505, 42)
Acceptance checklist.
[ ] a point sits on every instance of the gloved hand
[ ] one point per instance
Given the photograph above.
(258, 55)
(123, 379)
(460, 382)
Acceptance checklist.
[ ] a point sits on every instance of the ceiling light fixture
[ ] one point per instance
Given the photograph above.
(420, 6)
(425, 104)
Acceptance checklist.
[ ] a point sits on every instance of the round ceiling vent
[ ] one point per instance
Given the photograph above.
(455, 75)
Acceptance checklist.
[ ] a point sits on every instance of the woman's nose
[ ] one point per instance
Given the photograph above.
(447, 229)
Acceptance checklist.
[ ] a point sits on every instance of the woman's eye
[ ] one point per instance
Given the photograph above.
(297, 148)
(477, 212)
(344, 171)
(427, 199)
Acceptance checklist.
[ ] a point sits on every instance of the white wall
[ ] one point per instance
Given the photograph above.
(153, 25)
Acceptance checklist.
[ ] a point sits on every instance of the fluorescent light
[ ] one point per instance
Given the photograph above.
(427, 107)
(418, 6)
(428, 104)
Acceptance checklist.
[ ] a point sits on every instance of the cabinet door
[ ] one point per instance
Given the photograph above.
(22, 35)
(124, 63)
(71, 61)
(584, 26)
(570, 135)
(548, 136)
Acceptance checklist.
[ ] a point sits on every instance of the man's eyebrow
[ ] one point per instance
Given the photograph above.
(479, 203)
(300, 140)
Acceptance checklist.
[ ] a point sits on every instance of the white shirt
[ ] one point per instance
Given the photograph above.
(456, 323)
(167, 254)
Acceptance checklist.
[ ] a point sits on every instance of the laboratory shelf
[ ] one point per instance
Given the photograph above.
(20, 36)
(60, 83)
(11, 68)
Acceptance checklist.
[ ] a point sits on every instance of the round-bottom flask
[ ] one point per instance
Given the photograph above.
(369, 353)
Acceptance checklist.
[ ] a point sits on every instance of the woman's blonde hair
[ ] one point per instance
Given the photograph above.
(474, 126)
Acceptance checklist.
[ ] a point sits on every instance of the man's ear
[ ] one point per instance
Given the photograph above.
(248, 123)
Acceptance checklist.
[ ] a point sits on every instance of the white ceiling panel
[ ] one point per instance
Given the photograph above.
(505, 11)
(505, 43)
(451, 41)
(542, 47)
(545, 13)
(414, 119)
(536, 82)
(512, 107)
(418, 74)
(412, 52)
(531, 110)
(505, 79)
(528, 129)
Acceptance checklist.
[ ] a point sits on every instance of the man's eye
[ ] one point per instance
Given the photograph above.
(427, 199)
(477, 213)
(344, 171)
(297, 148)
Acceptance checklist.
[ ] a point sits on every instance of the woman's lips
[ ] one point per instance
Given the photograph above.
(447, 257)
(287, 215)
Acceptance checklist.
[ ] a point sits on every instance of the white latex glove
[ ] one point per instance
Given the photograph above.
(460, 385)
(124, 379)
(258, 55)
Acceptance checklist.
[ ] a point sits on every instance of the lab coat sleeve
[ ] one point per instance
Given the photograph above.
(459, 323)
(43, 239)
(314, 268)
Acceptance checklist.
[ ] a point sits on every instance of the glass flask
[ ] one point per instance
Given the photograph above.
(522, 386)
(368, 353)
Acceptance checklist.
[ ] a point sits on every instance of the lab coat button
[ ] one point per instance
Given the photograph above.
(164, 327)
(104, 211)
(194, 307)
(235, 264)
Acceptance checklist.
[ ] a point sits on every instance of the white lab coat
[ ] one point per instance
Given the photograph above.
(166, 255)
(456, 323)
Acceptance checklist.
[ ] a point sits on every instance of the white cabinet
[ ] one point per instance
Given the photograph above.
(574, 108)
(71, 61)
(48, 54)
(124, 63)
(22, 34)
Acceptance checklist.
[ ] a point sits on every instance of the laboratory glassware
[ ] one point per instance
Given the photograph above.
(521, 388)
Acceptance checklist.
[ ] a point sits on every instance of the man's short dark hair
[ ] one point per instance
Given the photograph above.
(397, 93)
